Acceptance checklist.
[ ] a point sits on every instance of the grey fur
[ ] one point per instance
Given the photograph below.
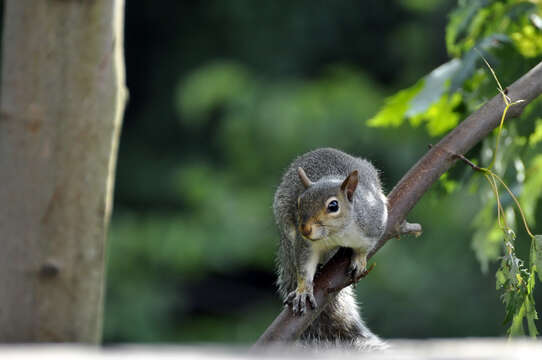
(365, 216)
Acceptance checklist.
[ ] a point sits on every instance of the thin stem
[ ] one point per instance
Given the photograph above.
(492, 73)
(500, 211)
(499, 135)
(517, 203)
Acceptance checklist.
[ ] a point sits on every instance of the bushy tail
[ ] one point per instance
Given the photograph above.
(341, 325)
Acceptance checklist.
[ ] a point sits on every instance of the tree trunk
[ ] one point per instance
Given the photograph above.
(61, 105)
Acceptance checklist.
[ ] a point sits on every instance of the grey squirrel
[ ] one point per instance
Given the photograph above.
(328, 199)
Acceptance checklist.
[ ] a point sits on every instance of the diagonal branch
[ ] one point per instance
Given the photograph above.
(403, 197)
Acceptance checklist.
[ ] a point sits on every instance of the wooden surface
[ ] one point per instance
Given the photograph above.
(435, 349)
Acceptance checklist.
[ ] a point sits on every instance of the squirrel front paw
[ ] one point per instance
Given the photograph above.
(358, 266)
(298, 300)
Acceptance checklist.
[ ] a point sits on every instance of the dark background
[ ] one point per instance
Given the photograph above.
(223, 95)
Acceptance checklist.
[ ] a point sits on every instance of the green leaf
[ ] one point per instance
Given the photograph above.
(448, 184)
(519, 10)
(435, 84)
(538, 255)
(471, 59)
(531, 314)
(427, 101)
(516, 329)
(532, 189)
(501, 279)
(533, 331)
(458, 27)
(530, 309)
(441, 115)
(478, 19)
(536, 136)
(487, 238)
(394, 111)
(531, 281)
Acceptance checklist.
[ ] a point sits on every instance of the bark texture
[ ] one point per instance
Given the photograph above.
(62, 100)
(403, 197)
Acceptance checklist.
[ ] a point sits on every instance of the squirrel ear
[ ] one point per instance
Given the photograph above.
(349, 184)
(304, 178)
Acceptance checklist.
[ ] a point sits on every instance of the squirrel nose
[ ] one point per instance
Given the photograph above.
(306, 229)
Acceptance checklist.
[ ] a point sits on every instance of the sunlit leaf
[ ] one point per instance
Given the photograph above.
(395, 108)
(435, 84)
(528, 40)
(460, 21)
(441, 115)
(477, 19)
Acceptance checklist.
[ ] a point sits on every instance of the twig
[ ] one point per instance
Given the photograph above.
(463, 158)
(468, 162)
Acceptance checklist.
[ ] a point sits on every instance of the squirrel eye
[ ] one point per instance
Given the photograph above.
(333, 206)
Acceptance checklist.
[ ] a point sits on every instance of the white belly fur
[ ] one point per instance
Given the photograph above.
(350, 237)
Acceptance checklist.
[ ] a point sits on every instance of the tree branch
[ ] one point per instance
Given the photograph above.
(403, 197)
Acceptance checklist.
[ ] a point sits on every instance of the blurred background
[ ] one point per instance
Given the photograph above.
(223, 95)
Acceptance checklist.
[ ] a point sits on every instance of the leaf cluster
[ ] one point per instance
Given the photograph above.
(509, 34)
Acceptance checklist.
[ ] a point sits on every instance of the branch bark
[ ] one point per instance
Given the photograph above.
(63, 96)
(403, 197)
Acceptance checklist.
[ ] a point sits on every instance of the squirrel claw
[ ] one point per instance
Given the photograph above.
(298, 301)
(360, 275)
(312, 301)
(355, 274)
(358, 267)
(290, 298)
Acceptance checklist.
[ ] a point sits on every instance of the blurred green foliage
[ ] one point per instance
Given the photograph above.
(225, 94)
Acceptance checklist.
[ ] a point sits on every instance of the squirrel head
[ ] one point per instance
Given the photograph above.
(326, 206)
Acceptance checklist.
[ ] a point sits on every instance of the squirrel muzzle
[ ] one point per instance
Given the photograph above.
(306, 229)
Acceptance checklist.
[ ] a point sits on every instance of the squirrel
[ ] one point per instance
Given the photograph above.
(328, 199)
